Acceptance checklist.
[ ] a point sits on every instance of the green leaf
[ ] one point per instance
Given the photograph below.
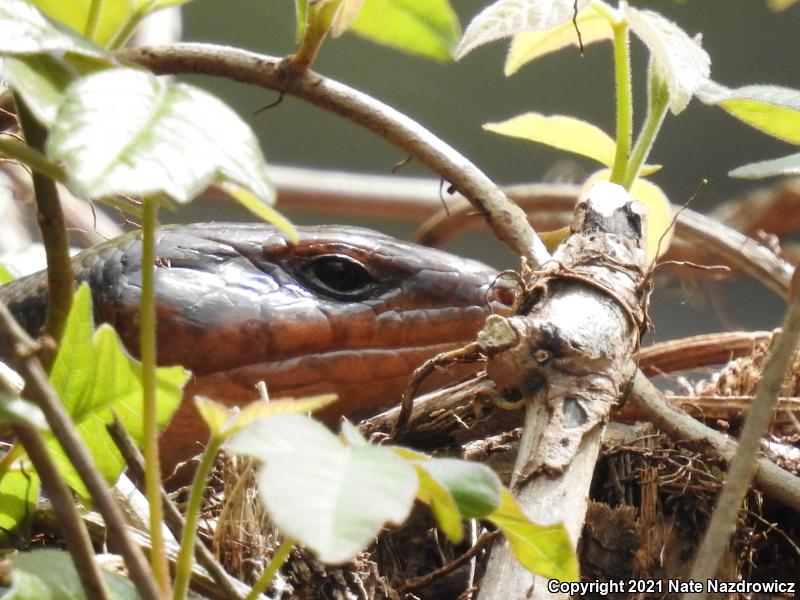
(259, 208)
(114, 14)
(683, 62)
(351, 436)
(17, 410)
(301, 10)
(429, 28)
(564, 133)
(74, 367)
(475, 487)
(332, 498)
(96, 379)
(41, 79)
(7, 274)
(773, 109)
(505, 18)
(19, 492)
(51, 575)
(779, 5)
(345, 15)
(152, 6)
(787, 165)
(542, 549)
(225, 421)
(442, 503)
(175, 139)
(24, 30)
(527, 46)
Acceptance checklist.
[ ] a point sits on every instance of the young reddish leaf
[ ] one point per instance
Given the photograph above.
(505, 18)
(530, 45)
(684, 63)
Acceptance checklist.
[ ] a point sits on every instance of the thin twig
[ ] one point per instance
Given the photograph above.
(769, 478)
(60, 278)
(505, 218)
(38, 390)
(743, 465)
(72, 527)
(425, 580)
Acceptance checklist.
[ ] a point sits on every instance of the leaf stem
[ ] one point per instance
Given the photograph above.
(122, 36)
(280, 556)
(624, 99)
(16, 451)
(10, 148)
(147, 340)
(60, 278)
(656, 112)
(183, 565)
(93, 19)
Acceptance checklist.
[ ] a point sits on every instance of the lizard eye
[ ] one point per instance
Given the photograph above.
(339, 276)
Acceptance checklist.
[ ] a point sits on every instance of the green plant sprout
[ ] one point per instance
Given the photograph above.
(679, 69)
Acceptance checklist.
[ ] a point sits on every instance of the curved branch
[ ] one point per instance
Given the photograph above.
(770, 478)
(505, 218)
(703, 233)
(699, 351)
(704, 240)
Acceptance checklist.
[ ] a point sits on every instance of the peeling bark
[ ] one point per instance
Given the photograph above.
(568, 353)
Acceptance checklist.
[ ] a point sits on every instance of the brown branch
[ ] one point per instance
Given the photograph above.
(60, 278)
(699, 239)
(699, 351)
(708, 239)
(652, 405)
(505, 218)
(69, 522)
(38, 390)
(425, 580)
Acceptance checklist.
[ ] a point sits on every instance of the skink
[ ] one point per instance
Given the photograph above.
(346, 310)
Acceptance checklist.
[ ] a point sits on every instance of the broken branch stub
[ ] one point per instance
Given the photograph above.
(582, 313)
(568, 352)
